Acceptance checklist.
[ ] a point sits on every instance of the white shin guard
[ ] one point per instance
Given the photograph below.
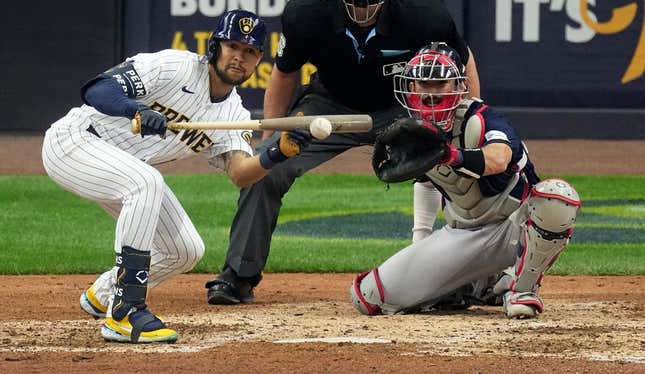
(552, 210)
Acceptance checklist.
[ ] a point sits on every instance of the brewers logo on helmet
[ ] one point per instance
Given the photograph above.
(239, 25)
(246, 25)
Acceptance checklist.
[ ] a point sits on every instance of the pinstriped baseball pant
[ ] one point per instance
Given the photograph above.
(148, 215)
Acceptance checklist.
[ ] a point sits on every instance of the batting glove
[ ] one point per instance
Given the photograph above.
(290, 144)
(152, 122)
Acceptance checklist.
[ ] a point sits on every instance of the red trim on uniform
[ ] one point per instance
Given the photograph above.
(452, 155)
(538, 305)
(557, 197)
(539, 280)
(442, 58)
(478, 113)
(379, 285)
(371, 309)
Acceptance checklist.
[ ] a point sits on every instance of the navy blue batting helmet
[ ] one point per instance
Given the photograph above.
(239, 25)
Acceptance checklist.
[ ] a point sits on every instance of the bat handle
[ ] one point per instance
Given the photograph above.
(135, 124)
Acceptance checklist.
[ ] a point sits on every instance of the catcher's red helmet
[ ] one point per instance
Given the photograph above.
(432, 84)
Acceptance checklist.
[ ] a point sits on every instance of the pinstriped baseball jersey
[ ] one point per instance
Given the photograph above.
(176, 84)
(97, 157)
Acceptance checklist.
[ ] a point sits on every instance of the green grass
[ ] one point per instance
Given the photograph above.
(333, 223)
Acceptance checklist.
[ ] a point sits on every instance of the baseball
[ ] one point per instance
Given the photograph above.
(320, 128)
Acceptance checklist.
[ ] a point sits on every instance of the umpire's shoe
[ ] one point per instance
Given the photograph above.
(229, 289)
(140, 326)
(91, 304)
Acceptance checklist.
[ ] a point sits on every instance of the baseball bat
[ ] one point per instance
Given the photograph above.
(339, 123)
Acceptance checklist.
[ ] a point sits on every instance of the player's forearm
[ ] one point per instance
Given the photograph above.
(243, 169)
(107, 96)
(497, 156)
(278, 95)
(473, 77)
(490, 159)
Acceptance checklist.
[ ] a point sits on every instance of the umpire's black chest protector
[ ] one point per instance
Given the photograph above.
(357, 66)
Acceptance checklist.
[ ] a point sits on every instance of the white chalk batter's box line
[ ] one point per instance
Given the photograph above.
(179, 348)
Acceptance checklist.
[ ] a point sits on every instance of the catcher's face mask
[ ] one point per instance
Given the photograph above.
(431, 86)
(362, 11)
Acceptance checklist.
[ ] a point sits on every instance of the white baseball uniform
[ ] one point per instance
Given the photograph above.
(97, 157)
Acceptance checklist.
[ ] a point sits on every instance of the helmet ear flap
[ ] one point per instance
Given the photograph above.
(214, 50)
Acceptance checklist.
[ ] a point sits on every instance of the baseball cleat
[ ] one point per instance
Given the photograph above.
(140, 326)
(222, 292)
(91, 304)
(521, 305)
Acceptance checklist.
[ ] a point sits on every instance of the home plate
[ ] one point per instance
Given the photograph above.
(337, 339)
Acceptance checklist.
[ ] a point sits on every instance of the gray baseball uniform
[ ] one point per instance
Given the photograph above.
(492, 223)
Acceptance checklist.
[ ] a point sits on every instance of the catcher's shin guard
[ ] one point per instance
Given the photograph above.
(552, 209)
(128, 320)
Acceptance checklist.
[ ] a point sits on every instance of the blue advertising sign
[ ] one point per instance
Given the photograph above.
(530, 53)
(559, 53)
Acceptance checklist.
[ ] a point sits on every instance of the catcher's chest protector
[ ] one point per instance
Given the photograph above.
(466, 206)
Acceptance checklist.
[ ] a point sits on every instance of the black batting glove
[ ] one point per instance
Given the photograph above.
(290, 144)
(152, 122)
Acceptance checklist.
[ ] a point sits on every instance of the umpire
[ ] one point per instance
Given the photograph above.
(357, 46)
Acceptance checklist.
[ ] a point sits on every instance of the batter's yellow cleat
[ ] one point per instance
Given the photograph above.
(140, 326)
(91, 304)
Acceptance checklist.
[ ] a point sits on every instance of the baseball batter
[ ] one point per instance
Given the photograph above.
(93, 153)
(498, 213)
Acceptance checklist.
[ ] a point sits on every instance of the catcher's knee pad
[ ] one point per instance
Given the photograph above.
(552, 209)
(366, 293)
(131, 282)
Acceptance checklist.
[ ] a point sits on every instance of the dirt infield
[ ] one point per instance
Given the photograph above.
(21, 156)
(304, 323)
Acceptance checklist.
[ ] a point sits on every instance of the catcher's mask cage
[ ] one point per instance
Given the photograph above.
(239, 25)
(436, 63)
(372, 9)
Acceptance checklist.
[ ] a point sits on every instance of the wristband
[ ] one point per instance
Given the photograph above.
(471, 162)
(271, 157)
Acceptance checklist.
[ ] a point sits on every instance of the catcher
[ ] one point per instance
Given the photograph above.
(498, 213)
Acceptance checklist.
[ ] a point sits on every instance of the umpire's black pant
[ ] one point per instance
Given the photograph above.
(259, 204)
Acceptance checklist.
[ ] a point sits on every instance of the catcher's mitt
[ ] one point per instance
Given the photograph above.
(408, 149)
